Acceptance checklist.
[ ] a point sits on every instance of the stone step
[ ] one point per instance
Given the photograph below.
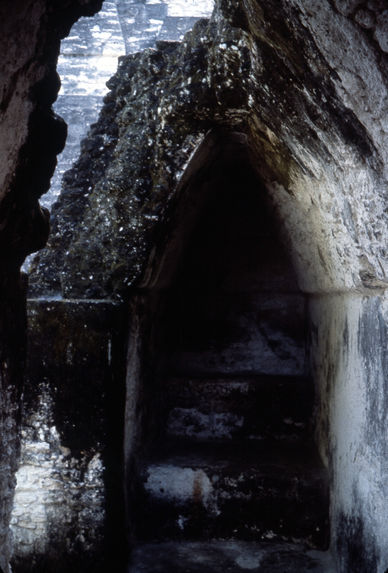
(228, 557)
(239, 490)
(216, 333)
(238, 407)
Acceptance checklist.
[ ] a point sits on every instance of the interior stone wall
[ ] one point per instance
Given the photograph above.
(349, 334)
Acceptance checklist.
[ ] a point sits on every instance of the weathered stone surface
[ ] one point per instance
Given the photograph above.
(349, 361)
(68, 484)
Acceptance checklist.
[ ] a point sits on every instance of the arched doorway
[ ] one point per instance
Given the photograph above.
(230, 426)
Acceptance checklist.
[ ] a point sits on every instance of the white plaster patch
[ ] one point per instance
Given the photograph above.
(172, 483)
(56, 494)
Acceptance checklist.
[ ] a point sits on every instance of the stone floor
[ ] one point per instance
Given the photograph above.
(228, 557)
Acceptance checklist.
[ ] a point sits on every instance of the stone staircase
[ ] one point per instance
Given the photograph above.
(236, 475)
(234, 482)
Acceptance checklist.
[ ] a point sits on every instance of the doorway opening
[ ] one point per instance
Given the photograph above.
(232, 454)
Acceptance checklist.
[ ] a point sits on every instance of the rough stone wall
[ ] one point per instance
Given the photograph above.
(30, 137)
(67, 512)
(12, 346)
(89, 58)
(349, 341)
